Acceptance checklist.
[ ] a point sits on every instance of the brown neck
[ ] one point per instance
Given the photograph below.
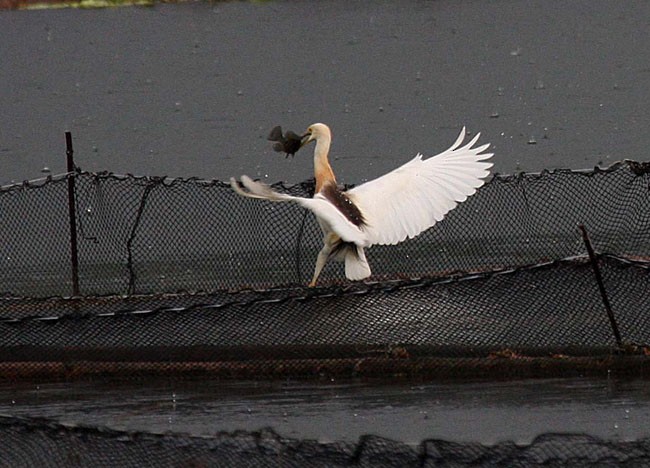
(323, 175)
(322, 169)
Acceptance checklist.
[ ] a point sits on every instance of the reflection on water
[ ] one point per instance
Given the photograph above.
(485, 412)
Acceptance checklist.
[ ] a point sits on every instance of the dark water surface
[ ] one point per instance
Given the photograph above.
(193, 89)
(486, 412)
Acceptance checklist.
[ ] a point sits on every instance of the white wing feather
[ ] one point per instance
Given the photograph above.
(400, 204)
(319, 205)
(415, 196)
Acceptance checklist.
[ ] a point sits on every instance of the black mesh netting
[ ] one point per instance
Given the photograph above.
(146, 235)
(37, 442)
(186, 275)
(184, 278)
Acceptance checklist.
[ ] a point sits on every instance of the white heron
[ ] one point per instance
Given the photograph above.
(387, 210)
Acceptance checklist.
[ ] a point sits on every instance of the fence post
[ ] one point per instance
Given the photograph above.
(601, 285)
(72, 212)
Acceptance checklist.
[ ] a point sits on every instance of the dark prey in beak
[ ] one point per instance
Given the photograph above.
(288, 143)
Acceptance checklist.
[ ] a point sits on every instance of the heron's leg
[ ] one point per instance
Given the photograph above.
(323, 255)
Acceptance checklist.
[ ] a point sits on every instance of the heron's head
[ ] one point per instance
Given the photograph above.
(316, 132)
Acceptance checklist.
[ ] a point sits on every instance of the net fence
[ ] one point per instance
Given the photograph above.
(148, 235)
(184, 275)
(39, 442)
(108, 275)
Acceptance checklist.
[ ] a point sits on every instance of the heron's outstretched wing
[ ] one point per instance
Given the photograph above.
(415, 196)
(319, 205)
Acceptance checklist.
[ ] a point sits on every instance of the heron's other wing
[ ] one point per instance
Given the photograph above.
(319, 205)
(415, 196)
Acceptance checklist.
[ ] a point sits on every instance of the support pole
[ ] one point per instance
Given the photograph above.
(601, 285)
(72, 212)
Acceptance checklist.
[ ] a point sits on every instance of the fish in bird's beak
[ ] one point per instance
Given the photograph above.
(288, 143)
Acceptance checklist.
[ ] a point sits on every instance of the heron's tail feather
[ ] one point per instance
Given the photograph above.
(356, 265)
